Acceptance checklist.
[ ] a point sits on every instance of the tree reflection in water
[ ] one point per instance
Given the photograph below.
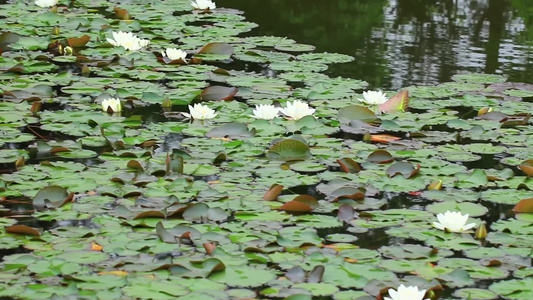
(404, 42)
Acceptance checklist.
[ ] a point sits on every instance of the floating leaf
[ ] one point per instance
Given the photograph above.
(121, 13)
(52, 196)
(406, 169)
(398, 102)
(383, 138)
(380, 157)
(273, 192)
(232, 131)
(524, 206)
(296, 274)
(23, 229)
(217, 48)
(75, 42)
(295, 206)
(216, 92)
(289, 149)
(164, 235)
(348, 165)
(346, 212)
(527, 167)
(357, 113)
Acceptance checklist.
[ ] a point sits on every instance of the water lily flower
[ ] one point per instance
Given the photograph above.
(406, 293)
(128, 40)
(297, 110)
(113, 104)
(265, 111)
(374, 97)
(453, 221)
(200, 112)
(203, 4)
(45, 3)
(174, 54)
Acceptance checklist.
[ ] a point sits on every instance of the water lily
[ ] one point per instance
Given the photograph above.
(128, 40)
(45, 3)
(453, 221)
(374, 97)
(174, 54)
(203, 4)
(265, 111)
(200, 112)
(113, 104)
(297, 110)
(406, 293)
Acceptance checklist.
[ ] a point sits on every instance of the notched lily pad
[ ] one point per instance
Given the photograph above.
(51, 197)
(406, 169)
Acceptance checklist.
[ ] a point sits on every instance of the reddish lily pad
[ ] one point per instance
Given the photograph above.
(348, 165)
(527, 167)
(23, 229)
(398, 102)
(380, 157)
(524, 206)
(273, 192)
(76, 42)
(217, 92)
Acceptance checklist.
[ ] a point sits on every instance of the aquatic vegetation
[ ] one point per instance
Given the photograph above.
(297, 109)
(453, 221)
(265, 111)
(200, 112)
(203, 4)
(406, 293)
(45, 3)
(128, 40)
(373, 97)
(111, 105)
(174, 54)
(335, 202)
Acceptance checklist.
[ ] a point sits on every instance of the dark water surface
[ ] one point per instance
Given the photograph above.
(397, 43)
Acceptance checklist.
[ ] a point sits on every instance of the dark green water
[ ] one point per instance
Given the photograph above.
(399, 43)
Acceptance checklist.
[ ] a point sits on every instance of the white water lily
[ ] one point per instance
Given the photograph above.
(128, 40)
(203, 4)
(265, 111)
(406, 293)
(174, 54)
(453, 221)
(297, 110)
(113, 103)
(200, 112)
(45, 3)
(374, 97)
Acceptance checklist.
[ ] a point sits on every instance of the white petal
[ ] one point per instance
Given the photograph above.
(469, 226)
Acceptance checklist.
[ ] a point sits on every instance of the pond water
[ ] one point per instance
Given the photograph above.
(397, 43)
(322, 196)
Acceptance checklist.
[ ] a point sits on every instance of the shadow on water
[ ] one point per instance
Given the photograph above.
(397, 43)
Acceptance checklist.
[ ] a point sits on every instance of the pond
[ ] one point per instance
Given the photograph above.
(258, 159)
(398, 43)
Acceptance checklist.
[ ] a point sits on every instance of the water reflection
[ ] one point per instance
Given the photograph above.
(403, 42)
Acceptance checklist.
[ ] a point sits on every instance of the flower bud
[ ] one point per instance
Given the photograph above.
(481, 232)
